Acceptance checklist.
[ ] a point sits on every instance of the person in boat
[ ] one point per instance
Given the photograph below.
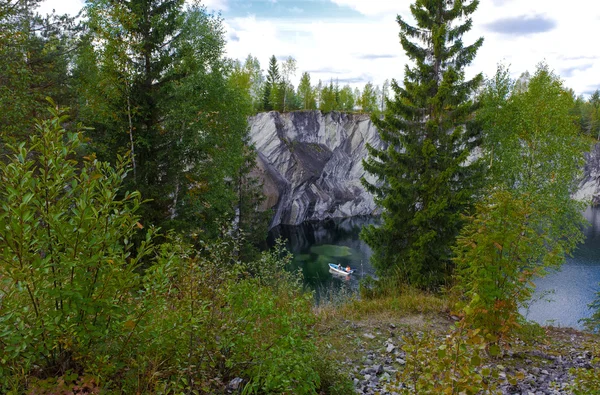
(347, 268)
(339, 266)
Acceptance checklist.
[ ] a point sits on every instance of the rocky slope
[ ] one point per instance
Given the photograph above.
(311, 164)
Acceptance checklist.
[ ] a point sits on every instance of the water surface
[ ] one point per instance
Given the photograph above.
(315, 244)
(561, 298)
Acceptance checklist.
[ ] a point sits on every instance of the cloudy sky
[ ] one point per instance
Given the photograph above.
(356, 41)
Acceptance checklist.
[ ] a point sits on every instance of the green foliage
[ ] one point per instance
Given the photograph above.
(161, 92)
(587, 380)
(587, 113)
(271, 91)
(368, 99)
(288, 71)
(454, 365)
(35, 53)
(80, 313)
(346, 99)
(69, 384)
(67, 273)
(256, 80)
(327, 102)
(497, 259)
(306, 93)
(252, 221)
(527, 223)
(424, 181)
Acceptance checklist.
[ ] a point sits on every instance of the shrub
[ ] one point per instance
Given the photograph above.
(67, 271)
(80, 313)
(504, 246)
(454, 365)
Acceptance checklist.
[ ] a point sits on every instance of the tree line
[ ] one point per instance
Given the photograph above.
(272, 90)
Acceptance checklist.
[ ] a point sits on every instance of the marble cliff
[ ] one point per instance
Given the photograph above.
(311, 164)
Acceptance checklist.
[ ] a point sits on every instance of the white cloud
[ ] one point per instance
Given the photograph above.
(327, 49)
(61, 6)
(216, 5)
(564, 47)
(328, 44)
(375, 7)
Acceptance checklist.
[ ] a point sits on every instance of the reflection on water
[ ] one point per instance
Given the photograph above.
(315, 244)
(570, 289)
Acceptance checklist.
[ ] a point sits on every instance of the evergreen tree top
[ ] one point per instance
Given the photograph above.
(436, 83)
(273, 75)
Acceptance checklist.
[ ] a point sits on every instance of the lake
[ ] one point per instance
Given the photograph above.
(316, 244)
(574, 286)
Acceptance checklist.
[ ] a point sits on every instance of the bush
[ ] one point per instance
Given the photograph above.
(454, 365)
(80, 313)
(68, 273)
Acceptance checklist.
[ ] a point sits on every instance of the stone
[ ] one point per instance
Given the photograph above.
(369, 336)
(310, 164)
(235, 385)
(390, 348)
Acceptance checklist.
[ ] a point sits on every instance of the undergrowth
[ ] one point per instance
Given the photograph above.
(86, 310)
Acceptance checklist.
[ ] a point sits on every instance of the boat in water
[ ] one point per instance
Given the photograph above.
(338, 269)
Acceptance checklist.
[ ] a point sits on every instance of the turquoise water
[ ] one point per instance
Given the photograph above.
(561, 298)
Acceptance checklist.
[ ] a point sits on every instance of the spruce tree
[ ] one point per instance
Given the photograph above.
(424, 181)
(272, 85)
(153, 83)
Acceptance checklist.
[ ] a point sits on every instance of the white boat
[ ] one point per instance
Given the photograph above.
(338, 269)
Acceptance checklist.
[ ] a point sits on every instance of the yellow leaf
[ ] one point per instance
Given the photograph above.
(129, 325)
(139, 225)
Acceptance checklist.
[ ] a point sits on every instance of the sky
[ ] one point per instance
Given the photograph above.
(356, 41)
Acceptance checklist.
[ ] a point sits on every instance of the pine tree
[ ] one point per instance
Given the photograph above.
(424, 182)
(270, 93)
(155, 85)
(328, 102)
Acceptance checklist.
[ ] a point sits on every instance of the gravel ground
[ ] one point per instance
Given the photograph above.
(545, 365)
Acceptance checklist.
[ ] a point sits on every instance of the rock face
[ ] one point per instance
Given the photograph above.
(589, 188)
(311, 164)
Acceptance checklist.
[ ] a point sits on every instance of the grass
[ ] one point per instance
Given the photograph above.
(407, 302)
